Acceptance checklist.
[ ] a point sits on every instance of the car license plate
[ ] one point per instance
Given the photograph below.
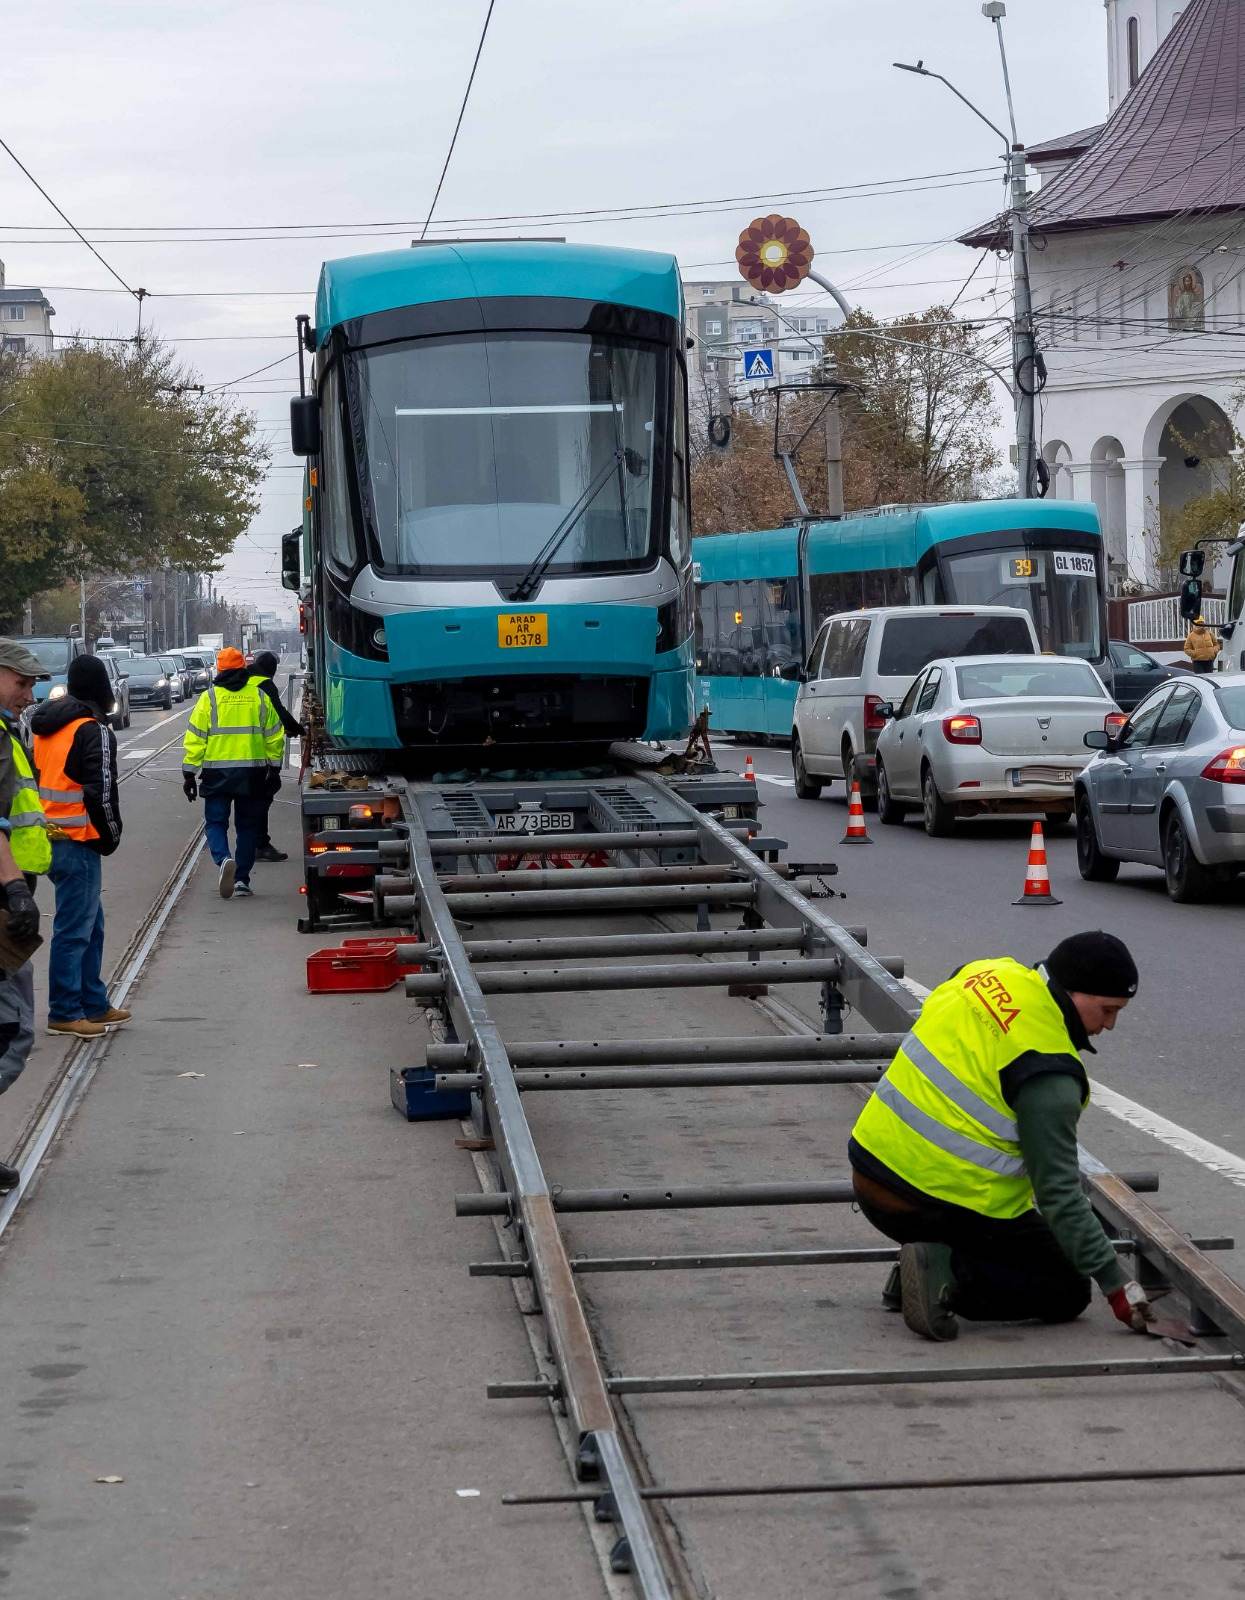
(1045, 775)
(535, 822)
(522, 630)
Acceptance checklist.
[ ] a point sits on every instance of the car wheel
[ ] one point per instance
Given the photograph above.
(1056, 820)
(1094, 867)
(806, 788)
(890, 811)
(937, 815)
(126, 722)
(1187, 878)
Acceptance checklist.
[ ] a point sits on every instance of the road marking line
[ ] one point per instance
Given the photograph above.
(138, 755)
(152, 726)
(783, 783)
(1187, 1143)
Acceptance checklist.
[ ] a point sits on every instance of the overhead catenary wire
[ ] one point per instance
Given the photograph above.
(471, 78)
(21, 165)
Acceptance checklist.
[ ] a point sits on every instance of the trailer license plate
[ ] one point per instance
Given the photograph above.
(522, 630)
(536, 822)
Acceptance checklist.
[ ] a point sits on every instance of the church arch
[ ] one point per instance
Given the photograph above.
(1057, 457)
(1107, 487)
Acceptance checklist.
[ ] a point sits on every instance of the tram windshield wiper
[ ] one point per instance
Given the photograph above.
(626, 457)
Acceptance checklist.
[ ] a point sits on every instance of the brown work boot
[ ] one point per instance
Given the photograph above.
(114, 1017)
(79, 1028)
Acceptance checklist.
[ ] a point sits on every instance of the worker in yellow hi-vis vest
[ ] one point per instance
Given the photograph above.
(234, 743)
(966, 1153)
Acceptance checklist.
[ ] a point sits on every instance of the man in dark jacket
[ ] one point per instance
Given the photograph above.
(262, 669)
(75, 754)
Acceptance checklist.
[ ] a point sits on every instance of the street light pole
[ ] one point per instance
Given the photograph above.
(1025, 371)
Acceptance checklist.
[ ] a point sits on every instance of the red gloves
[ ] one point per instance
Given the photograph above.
(1131, 1306)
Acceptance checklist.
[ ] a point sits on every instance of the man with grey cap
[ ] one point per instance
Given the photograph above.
(966, 1153)
(30, 853)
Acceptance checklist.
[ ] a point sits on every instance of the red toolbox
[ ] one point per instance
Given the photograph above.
(357, 966)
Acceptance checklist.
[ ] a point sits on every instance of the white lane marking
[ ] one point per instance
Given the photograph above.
(138, 755)
(783, 783)
(1211, 1156)
(151, 728)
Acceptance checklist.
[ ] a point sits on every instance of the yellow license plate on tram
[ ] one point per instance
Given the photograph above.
(522, 630)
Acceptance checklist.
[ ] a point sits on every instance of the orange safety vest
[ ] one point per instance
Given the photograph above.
(64, 803)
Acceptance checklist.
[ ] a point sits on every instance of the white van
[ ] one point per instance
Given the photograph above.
(862, 659)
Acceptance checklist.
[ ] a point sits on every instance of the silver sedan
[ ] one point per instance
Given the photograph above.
(1169, 790)
(990, 734)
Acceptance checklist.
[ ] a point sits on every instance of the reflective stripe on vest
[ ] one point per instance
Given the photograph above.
(938, 1117)
(28, 837)
(63, 800)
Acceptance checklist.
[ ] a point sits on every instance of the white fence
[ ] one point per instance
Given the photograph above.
(1158, 621)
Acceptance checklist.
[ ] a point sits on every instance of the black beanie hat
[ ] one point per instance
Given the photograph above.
(1094, 963)
(264, 662)
(87, 679)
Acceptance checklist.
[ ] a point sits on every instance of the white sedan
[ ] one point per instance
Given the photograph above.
(990, 734)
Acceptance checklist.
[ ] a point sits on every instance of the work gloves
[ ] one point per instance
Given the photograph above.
(23, 912)
(1131, 1306)
(189, 786)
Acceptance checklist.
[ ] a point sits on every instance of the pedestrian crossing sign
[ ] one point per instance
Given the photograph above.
(758, 363)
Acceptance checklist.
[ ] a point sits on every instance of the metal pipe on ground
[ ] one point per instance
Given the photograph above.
(848, 1378)
(543, 844)
(496, 1203)
(681, 1052)
(532, 881)
(556, 947)
(589, 901)
(732, 1260)
(675, 975)
(740, 1077)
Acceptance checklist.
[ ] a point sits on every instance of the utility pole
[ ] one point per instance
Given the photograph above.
(1026, 371)
(833, 419)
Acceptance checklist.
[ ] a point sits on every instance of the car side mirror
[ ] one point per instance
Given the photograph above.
(305, 425)
(1098, 739)
(885, 710)
(1225, 629)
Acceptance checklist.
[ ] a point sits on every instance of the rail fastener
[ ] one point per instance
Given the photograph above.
(866, 1377)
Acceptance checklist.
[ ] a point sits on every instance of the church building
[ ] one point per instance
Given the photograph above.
(1137, 262)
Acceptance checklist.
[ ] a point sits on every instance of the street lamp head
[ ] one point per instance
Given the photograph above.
(995, 10)
(904, 66)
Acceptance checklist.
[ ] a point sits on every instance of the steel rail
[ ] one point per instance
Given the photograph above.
(581, 1377)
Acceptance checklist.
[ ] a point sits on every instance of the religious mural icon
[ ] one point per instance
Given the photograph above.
(774, 253)
(1186, 302)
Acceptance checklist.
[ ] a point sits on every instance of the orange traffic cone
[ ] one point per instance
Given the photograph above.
(856, 831)
(749, 775)
(1037, 875)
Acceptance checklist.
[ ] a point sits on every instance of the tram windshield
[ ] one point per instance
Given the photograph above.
(1058, 588)
(475, 449)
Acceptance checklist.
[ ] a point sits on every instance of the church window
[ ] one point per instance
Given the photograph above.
(1134, 51)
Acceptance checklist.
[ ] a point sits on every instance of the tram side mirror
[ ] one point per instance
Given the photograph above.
(291, 551)
(1190, 597)
(1192, 563)
(305, 425)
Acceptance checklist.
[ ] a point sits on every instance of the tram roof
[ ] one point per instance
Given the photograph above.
(355, 286)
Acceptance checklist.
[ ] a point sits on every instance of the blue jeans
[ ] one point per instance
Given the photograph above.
(248, 821)
(74, 986)
(17, 1022)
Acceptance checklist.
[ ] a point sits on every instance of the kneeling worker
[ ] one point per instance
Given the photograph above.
(966, 1154)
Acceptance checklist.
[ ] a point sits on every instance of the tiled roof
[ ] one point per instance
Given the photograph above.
(1175, 143)
(23, 297)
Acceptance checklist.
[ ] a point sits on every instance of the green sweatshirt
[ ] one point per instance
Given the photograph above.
(1048, 1108)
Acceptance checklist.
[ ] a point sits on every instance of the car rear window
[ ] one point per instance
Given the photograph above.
(911, 643)
(1232, 703)
(998, 680)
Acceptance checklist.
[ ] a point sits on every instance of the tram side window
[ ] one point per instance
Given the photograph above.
(706, 624)
(850, 591)
(721, 630)
(781, 598)
(750, 629)
(335, 496)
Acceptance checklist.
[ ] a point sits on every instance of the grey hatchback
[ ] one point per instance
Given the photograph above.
(1169, 789)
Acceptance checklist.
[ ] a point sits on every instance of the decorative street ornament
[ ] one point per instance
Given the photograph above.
(774, 253)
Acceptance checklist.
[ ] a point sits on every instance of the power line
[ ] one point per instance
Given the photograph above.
(20, 164)
(471, 78)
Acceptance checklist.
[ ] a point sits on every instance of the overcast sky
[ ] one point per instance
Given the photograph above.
(235, 118)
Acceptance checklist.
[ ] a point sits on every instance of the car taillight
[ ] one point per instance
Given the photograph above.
(874, 722)
(961, 730)
(1113, 722)
(1227, 767)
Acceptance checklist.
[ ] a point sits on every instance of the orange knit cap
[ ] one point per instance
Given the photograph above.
(228, 658)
